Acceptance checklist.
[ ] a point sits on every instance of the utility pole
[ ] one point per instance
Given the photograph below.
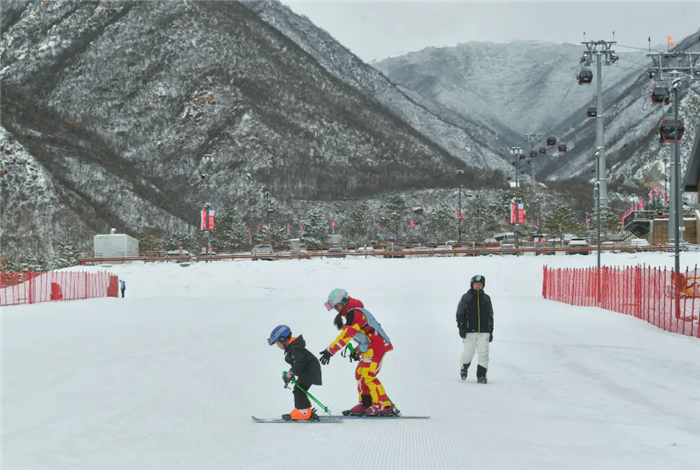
(600, 50)
(459, 219)
(671, 63)
(533, 139)
(207, 160)
(596, 192)
(515, 152)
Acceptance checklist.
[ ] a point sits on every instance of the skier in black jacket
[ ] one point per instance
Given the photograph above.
(305, 369)
(475, 323)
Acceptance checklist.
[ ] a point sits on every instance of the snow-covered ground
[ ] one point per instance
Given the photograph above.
(168, 377)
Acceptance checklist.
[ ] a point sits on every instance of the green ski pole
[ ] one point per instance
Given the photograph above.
(323, 407)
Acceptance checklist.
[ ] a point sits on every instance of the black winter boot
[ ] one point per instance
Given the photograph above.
(481, 374)
(463, 372)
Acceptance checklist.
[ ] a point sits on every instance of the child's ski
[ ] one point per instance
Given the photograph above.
(321, 419)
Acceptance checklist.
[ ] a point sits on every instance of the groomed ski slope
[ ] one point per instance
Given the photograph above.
(169, 377)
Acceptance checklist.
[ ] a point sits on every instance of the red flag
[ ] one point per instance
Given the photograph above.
(538, 221)
(258, 229)
(378, 226)
(301, 227)
(650, 197)
(333, 226)
(412, 224)
(656, 191)
(287, 227)
(586, 221)
(641, 204)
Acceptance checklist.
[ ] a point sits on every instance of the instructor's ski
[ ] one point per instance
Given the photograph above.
(378, 417)
(321, 419)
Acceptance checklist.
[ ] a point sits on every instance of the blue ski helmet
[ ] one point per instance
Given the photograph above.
(281, 333)
(478, 278)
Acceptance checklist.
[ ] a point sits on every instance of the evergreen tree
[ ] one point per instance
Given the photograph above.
(188, 241)
(151, 244)
(315, 229)
(395, 216)
(229, 232)
(441, 224)
(657, 204)
(32, 262)
(560, 221)
(359, 226)
(66, 256)
(481, 221)
(610, 222)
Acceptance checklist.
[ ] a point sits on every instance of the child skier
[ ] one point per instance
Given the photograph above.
(304, 366)
(475, 323)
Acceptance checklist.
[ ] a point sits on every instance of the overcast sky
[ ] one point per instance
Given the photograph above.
(376, 30)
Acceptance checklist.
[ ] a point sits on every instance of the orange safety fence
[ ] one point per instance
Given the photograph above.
(29, 287)
(658, 296)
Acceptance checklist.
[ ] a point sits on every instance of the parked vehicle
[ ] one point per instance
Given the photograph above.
(636, 244)
(264, 252)
(391, 251)
(335, 252)
(579, 246)
(444, 248)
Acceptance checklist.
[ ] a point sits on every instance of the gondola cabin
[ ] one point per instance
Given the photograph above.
(533, 153)
(585, 76)
(667, 128)
(551, 141)
(543, 149)
(660, 95)
(592, 112)
(562, 148)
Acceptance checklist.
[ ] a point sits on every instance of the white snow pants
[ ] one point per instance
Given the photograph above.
(476, 342)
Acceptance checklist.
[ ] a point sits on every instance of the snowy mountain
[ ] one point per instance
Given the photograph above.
(461, 135)
(108, 109)
(517, 86)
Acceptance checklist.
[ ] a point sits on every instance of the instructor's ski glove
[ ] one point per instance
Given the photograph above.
(325, 356)
(490, 337)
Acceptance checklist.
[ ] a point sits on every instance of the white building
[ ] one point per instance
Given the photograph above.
(115, 245)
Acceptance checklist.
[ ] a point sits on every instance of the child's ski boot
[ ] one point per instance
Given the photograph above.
(308, 414)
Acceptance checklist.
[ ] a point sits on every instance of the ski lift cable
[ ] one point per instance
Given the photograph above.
(558, 109)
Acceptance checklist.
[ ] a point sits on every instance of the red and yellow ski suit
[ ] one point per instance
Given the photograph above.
(371, 362)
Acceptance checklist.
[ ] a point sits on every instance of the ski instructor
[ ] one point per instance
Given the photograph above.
(373, 343)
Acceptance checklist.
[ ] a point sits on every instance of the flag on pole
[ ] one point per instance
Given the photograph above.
(301, 226)
(656, 191)
(333, 227)
(586, 221)
(412, 225)
(650, 197)
(287, 227)
(378, 226)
